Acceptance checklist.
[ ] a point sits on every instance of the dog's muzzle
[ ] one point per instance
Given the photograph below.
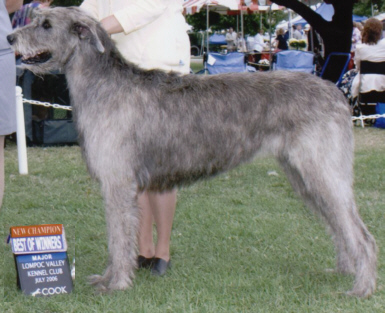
(38, 57)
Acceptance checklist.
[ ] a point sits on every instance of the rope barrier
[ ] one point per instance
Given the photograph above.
(368, 117)
(49, 105)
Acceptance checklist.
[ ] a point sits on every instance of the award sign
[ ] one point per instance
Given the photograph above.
(41, 259)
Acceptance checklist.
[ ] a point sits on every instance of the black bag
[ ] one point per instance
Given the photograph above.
(53, 132)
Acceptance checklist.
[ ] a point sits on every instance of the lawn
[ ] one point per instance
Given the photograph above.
(242, 242)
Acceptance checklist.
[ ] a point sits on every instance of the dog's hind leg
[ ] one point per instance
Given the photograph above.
(320, 170)
(122, 219)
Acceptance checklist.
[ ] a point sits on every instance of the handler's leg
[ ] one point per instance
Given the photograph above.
(163, 208)
(1, 169)
(146, 241)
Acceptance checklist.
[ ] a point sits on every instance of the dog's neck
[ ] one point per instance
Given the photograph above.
(111, 65)
(82, 61)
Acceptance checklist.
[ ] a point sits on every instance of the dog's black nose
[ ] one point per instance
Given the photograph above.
(11, 39)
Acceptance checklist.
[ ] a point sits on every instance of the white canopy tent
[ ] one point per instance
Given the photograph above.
(380, 17)
(219, 6)
(226, 6)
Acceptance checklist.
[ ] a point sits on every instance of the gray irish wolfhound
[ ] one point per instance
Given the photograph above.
(154, 130)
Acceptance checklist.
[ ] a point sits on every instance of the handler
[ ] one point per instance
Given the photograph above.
(7, 81)
(153, 35)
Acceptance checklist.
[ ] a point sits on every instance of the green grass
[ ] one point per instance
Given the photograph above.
(242, 242)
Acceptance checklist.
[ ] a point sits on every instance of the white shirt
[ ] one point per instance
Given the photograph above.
(241, 45)
(298, 34)
(250, 43)
(259, 43)
(231, 38)
(373, 53)
(155, 31)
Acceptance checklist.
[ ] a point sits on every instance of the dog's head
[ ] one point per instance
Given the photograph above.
(51, 39)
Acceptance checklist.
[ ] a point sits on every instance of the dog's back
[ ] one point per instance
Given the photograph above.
(214, 123)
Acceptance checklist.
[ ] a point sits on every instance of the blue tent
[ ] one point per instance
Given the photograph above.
(327, 12)
(217, 39)
(357, 18)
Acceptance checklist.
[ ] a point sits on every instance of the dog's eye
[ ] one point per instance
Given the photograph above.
(46, 24)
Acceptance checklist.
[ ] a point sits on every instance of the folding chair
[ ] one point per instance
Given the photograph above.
(335, 67)
(216, 63)
(294, 60)
(367, 100)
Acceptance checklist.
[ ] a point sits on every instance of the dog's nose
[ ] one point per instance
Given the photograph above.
(11, 39)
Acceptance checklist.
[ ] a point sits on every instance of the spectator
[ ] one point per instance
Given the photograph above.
(7, 82)
(356, 36)
(280, 40)
(287, 35)
(356, 39)
(249, 43)
(298, 33)
(372, 49)
(241, 43)
(231, 39)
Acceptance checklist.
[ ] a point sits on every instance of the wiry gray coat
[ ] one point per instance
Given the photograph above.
(154, 130)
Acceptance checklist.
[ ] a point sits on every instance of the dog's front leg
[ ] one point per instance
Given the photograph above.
(122, 219)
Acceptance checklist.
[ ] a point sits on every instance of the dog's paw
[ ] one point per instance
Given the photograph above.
(106, 284)
(360, 293)
(120, 284)
(363, 289)
(99, 282)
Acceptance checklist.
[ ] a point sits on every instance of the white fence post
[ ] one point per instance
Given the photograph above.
(21, 142)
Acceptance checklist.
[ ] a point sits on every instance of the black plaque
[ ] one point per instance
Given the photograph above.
(44, 274)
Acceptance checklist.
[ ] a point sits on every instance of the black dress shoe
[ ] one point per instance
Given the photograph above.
(160, 266)
(144, 262)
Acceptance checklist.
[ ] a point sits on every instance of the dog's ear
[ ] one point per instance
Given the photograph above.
(86, 32)
(34, 13)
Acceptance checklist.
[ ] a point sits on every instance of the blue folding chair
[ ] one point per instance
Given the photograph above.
(226, 63)
(335, 67)
(295, 61)
(217, 63)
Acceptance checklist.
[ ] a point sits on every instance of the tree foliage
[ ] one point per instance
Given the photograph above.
(251, 22)
(367, 7)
